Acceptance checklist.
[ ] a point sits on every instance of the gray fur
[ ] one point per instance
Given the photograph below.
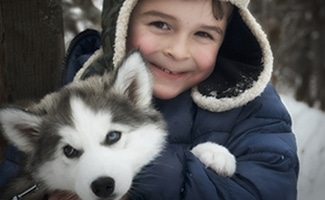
(54, 111)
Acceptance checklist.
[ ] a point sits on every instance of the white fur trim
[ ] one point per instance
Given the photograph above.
(121, 30)
(239, 3)
(92, 58)
(223, 104)
(120, 38)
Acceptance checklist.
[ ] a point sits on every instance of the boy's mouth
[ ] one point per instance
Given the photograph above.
(165, 70)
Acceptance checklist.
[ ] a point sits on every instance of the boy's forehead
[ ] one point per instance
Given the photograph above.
(172, 5)
(168, 2)
(203, 7)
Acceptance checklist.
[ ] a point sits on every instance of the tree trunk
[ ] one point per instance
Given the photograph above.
(31, 49)
(318, 48)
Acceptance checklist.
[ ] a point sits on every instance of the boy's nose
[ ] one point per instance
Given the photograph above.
(177, 48)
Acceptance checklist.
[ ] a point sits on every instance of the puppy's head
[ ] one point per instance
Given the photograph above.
(95, 137)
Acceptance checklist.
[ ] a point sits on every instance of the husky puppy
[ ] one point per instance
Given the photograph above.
(91, 137)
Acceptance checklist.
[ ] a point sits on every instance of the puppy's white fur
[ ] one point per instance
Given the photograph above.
(216, 157)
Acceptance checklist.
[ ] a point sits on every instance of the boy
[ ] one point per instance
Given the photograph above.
(211, 64)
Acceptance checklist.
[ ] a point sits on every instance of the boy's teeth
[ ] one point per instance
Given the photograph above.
(166, 70)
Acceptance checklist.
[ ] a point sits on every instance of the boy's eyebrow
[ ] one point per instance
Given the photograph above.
(158, 14)
(213, 28)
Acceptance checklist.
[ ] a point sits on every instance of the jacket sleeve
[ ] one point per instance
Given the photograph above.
(10, 165)
(265, 150)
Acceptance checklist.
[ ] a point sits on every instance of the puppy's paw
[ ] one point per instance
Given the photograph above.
(216, 157)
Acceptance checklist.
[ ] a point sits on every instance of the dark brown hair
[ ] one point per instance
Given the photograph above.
(221, 9)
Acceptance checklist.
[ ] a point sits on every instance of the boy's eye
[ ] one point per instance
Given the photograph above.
(204, 35)
(160, 25)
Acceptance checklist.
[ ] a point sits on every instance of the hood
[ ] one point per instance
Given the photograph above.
(243, 67)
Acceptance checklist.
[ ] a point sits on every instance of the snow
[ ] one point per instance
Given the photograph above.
(98, 4)
(309, 128)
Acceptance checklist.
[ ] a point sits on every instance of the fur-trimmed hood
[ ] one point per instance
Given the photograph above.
(243, 68)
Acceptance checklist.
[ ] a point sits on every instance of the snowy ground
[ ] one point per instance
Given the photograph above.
(309, 127)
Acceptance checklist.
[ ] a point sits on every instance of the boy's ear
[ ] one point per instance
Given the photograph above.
(20, 127)
(134, 80)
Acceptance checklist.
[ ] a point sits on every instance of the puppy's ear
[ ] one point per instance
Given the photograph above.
(134, 80)
(20, 127)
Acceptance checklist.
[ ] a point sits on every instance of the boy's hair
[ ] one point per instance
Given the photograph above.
(221, 9)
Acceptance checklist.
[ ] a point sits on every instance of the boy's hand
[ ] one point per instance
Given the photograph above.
(60, 195)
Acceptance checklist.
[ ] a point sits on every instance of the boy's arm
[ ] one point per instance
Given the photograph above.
(180, 175)
(10, 165)
(265, 151)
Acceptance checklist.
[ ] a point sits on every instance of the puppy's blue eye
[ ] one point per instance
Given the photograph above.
(71, 152)
(113, 136)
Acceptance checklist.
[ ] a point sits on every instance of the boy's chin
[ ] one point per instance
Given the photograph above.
(166, 94)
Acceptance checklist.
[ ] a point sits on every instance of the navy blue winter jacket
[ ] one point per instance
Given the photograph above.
(258, 134)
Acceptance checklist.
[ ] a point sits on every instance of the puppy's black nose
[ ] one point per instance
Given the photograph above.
(103, 187)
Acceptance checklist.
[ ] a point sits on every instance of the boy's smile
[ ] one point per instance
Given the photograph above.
(181, 47)
(163, 69)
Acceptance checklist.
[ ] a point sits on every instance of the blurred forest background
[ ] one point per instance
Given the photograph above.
(296, 30)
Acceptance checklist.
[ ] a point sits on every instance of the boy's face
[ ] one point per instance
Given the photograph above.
(180, 39)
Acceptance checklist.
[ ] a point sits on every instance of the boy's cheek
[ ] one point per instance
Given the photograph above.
(142, 40)
(206, 59)
(146, 45)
